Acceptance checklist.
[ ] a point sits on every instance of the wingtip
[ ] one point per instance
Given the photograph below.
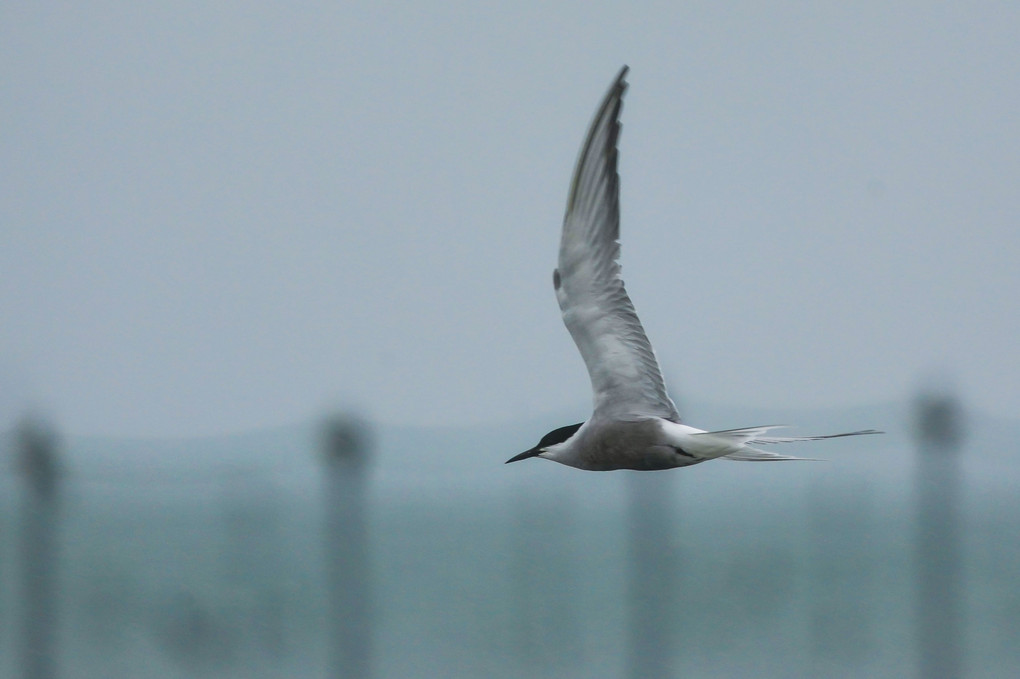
(621, 80)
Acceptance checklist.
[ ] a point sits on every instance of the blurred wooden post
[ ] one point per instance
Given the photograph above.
(547, 636)
(939, 430)
(252, 565)
(843, 597)
(346, 452)
(39, 465)
(654, 570)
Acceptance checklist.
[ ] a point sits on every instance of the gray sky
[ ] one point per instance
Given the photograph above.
(218, 216)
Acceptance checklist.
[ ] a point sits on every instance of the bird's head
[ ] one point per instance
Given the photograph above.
(555, 437)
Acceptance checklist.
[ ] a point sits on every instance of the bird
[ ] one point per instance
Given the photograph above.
(634, 423)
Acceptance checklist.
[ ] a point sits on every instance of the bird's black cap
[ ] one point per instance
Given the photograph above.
(552, 438)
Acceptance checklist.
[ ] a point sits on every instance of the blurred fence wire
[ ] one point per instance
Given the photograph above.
(346, 550)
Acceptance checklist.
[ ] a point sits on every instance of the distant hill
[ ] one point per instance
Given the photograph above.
(410, 459)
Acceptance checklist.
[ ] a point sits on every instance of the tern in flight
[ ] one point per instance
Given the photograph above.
(635, 424)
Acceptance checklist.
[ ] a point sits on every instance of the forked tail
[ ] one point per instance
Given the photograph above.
(748, 436)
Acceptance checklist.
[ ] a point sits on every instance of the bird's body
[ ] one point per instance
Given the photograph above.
(648, 444)
(635, 424)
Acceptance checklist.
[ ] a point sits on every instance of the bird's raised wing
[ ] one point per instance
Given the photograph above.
(625, 374)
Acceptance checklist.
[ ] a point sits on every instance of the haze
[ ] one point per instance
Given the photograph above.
(222, 217)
